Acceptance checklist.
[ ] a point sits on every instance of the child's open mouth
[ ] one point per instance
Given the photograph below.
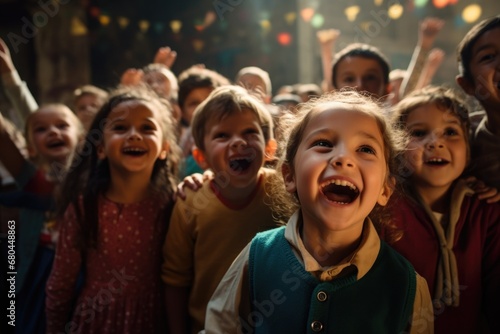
(134, 151)
(56, 144)
(436, 162)
(240, 164)
(340, 191)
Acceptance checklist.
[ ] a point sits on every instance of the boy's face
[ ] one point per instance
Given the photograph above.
(363, 74)
(53, 135)
(235, 148)
(193, 100)
(437, 151)
(485, 71)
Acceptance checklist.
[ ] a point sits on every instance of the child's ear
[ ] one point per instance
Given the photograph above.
(164, 151)
(32, 153)
(271, 147)
(289, 178)
(387, 191)
(199, 157)
(466, 85)
(101, 155)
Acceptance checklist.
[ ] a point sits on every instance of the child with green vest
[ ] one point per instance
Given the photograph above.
(327, 271)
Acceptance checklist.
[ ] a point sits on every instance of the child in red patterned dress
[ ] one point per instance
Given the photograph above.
(116, 199)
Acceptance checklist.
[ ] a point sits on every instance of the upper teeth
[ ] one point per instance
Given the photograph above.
(134, 149)
(342, 183)
(435, 160)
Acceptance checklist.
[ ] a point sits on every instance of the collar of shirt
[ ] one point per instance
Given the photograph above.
(362, 258)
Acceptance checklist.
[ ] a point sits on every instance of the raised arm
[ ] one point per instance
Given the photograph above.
(19, 95)
(428, 31)
(432, 64)
(327, 39)
(165, 56)
(12, 147)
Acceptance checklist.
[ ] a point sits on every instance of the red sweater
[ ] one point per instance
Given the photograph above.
(477, 250)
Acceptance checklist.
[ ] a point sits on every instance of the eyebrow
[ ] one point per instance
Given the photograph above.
(483, 47)
(451, 121)
(363, 134)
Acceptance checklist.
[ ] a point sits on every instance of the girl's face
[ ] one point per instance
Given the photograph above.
(53, 134)
(340, 171)
(437, 151)
(133, 138)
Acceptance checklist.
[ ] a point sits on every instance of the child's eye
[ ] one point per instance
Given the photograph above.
(451, 132)
(221, 135)
(418, 133)
(119, 127)
(322, 143)
(63, 126)
(148, 128)
(39, 129)
(367, 149)
(486, 57)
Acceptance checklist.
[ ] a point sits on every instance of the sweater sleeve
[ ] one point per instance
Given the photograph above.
(178, 249)
(62, 281)
(229, 307)
(423, 313)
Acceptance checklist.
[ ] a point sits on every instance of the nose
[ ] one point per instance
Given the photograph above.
(434, 141)
(342, 157)
(238, 141)
(53, 130)
(134, 134)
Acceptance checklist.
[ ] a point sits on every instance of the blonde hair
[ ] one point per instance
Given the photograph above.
(224, 101)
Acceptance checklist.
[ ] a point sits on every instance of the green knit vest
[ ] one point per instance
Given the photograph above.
(287, 299)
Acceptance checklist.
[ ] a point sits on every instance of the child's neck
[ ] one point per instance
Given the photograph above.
(127, 191)
(331, 248)
(236, 197)
(436, 198)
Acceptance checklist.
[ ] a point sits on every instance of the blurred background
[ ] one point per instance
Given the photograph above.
(58, 45)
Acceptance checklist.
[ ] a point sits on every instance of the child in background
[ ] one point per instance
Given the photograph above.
(327, 268)
(88, 100)
(256, 79)
(233, 133)
(52, 134)
(362, 67)
(449, 234)
(195, 84)
(116, 201)
(479, 60)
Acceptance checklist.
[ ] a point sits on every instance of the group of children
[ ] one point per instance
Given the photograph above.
(343, 215)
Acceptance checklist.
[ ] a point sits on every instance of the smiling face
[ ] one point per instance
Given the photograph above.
(362, 74)
(234, 147)
(437, 151)
(485, 71)
(53, 134)
(339, 170)
(133, 138)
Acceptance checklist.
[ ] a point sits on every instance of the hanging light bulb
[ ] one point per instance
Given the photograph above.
(395, 11)
(307, 14)
(176, 26)
(351, 12)
(143, 25)
(471, 13)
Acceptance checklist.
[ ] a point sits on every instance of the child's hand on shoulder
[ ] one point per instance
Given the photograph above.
(484, 192)
(194, 182)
